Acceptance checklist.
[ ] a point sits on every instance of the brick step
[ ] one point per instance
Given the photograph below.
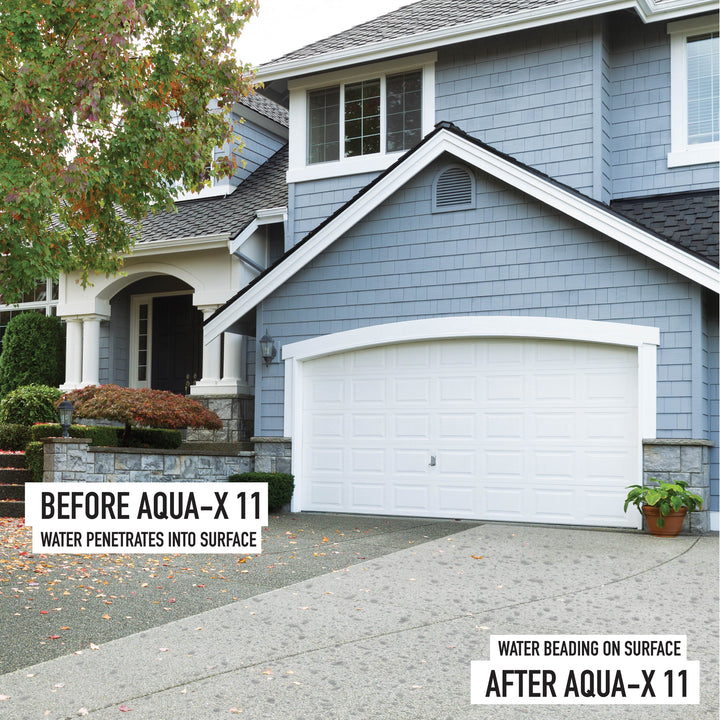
(12, 492)
(12, 460)
(12, 508)
(15, 476)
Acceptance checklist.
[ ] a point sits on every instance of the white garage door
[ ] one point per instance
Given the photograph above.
(503, 429)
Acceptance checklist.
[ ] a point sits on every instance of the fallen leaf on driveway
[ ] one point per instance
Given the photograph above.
(476, 557)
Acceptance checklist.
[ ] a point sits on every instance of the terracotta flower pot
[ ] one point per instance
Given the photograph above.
(673, 521)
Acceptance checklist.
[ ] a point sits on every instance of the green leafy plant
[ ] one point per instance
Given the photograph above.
(105, 109)
(13, 436)
(668, 497)
(35, 459)
(280, 486)
(33, 352)
(141, 407)
(98, 434)
(29, 404)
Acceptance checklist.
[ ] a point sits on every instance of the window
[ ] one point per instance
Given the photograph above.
(395, 100)
(347, 122)
(695, 98)
(43, 299)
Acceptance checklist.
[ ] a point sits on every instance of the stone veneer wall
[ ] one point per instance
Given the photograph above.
(71, 459)
(237, 413)
(670, 460)
(272, 454)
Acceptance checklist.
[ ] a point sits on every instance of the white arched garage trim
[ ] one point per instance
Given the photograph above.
(641, 338)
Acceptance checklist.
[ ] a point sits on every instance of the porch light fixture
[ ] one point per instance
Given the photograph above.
(267, 348)
(65, 413)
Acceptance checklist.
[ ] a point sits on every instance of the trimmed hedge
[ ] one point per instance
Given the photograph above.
(35, 459)
(280, 486)
(14, 436)
(157, 438)
(30, 404)
(99, 434)
(33, 352)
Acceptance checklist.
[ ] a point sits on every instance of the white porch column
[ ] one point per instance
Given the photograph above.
(212, 358)
(91, 350)
(73, 354)
(233, 358)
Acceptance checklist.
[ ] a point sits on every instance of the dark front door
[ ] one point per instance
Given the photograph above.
(176, 343)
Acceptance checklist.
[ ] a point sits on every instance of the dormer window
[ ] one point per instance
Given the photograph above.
(356, 121)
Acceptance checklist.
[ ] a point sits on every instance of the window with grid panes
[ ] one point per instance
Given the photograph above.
(389, 106)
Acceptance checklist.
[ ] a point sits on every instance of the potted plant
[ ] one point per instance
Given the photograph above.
(664, 505)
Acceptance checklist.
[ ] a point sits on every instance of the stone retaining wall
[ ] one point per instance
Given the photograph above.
(72, 459)
(670, 460)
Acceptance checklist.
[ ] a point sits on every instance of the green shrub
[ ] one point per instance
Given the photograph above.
(158, 438)
(13, 437)
(280, 486)
(35, 459)
(33, 351)
(29, 404)
(99, 434)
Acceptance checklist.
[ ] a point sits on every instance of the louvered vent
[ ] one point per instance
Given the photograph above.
(454, 189)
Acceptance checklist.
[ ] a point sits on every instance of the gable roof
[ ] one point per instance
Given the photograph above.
(687, 219)
(228, 215)
(431, 23)
(447, 138)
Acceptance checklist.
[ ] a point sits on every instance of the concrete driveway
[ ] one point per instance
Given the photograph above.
(393, 637)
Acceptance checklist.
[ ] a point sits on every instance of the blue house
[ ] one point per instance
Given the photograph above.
(497, 295)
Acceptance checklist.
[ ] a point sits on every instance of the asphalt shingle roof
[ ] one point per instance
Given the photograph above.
(265, 188)
(688, 219)
(266, 107)
(422, 16)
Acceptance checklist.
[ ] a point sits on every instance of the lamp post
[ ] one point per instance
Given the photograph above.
(65, 413)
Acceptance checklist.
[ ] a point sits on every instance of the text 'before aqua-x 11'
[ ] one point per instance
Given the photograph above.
(79, 517)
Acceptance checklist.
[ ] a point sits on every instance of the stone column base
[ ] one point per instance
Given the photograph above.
(237, 413)
(273, 454)
(672, 459)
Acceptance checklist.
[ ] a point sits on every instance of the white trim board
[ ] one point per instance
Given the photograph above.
(504, 169)
(647, 10)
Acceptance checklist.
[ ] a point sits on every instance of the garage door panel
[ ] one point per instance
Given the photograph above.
(519, 429)
(456, 500)
(412, 499)
(366, 426)
(415, 426)
(367, 497)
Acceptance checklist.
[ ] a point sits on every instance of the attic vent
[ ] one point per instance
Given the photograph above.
(454, 190)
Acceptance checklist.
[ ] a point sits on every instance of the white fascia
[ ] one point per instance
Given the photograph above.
(648, 11)
(183, 244)
(581, 209)
(266, 216)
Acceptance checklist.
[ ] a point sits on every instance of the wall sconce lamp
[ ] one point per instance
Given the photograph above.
(65, 413)
(267, 348)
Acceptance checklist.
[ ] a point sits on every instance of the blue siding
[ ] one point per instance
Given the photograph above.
(510, 256)
(260, 145)
(641, 115)
(529, 94)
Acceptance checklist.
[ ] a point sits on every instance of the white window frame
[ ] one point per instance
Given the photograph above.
(681, 152)
(300, 170)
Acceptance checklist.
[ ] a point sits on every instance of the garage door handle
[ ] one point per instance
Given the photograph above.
(433, 461)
